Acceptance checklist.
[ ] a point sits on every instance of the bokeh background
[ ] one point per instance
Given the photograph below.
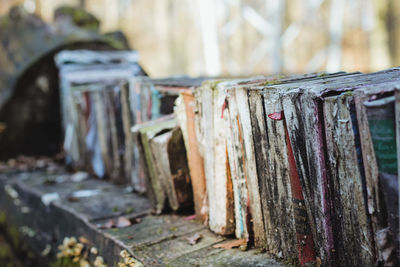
(246, 37)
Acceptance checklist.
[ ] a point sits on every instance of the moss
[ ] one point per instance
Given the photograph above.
(129, 210)
(79, 17)
(5, 252)
(348, 93)
(2, 217)
(322, 74)
(291, 262)
(14, 236)
(272, 82)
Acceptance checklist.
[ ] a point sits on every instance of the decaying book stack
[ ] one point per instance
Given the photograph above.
(301, 134)
(305, 166)
(162, 156)
(91, 86)
(148, 99)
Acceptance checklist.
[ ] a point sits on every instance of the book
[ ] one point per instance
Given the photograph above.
(304, 116)
(185, 108)
(169, 154)
(348, 180)
(381, 121)
(211, 132)
(374, 195)
(146, 133)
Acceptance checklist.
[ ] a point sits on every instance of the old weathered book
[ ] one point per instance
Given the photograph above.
(347, 177)
(169, 154)
(185, 113)
(146, 99)
(304, 114)
(249, 218)
(242, 155)
(146, 132)
(381, 122)
(212, 129)
(97, 68)
(99, 129)
(374, 195)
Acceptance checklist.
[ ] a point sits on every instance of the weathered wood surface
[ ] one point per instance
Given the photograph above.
(353, 239)
(147, 132)
(212, 131)
(154, 240)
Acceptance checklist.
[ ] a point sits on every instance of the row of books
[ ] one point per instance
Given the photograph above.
(304, 166)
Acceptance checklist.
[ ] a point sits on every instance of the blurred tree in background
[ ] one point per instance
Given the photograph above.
(244, 37)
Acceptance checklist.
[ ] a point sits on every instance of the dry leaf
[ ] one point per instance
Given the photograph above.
(231, 244)
(190, 218)
(123, 222)
(84, 240)
(194, 239)
(119, 222)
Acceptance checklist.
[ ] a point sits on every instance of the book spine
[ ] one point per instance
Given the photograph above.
(237, 168)
(195, 160)
(128, 142)
(352, 227)
(276, 187)
(304, 119)
(179, 170)
(304, 238)
(250, 168)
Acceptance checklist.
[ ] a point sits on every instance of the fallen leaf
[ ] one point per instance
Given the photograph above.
(109, 224)
(190, 218)
(119, 222)
(84, 240)
(275, 116)
(231, 244)
(194, 239)
(123, 222)
(49, 197)
(79, 177)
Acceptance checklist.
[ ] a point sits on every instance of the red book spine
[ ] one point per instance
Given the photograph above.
(305, 242)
